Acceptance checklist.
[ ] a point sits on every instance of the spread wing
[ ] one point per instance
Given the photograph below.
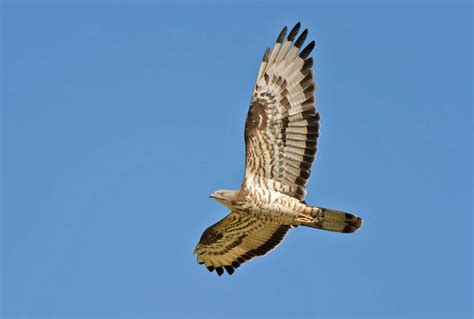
(282, 124)
(236, 239)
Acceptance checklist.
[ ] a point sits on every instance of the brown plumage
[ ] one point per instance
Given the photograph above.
(281, 134)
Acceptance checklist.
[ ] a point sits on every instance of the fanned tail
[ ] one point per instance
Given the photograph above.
(334, 220)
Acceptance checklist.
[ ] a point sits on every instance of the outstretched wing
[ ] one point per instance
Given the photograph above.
(236, 239)
(282, 124)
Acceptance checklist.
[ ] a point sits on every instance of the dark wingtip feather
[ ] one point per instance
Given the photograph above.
(307, 50)
(294, 32)
(282, 35)
(308, 64)
(210, 268)
(306, 80)
(219, 271)
(229, 269)
(309, 90)
(299, 42)
(266, 56)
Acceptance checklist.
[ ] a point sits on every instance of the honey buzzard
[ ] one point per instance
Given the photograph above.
(281, 133)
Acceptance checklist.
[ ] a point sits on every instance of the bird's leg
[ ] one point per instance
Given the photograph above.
(303, 219)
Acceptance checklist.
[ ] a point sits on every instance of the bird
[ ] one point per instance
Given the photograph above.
(281, 134)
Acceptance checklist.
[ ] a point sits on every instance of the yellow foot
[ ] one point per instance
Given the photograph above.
(304, 219)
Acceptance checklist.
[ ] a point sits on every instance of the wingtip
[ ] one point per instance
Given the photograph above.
(230, 270)
(294, 32)
(282, 35)
(266, 55)
(307, 50)
(299, 42)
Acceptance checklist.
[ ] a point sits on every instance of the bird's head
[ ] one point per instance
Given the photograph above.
(225, 196)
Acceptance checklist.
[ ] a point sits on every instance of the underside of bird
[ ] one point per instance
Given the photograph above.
(281, 135)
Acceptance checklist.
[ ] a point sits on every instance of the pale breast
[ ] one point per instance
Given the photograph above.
(270, 204)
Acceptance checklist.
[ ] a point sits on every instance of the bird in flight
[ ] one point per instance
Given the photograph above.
(281, 133)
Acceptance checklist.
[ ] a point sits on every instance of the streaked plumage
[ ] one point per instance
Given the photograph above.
(281, 133)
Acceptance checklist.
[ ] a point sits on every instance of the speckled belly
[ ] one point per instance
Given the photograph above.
(272, 206)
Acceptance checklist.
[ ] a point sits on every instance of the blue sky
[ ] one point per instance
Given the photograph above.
(119, 119)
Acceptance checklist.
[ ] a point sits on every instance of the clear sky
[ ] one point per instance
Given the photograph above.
(119, 119)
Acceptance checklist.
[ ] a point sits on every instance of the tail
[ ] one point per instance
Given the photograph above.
(333, 220)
